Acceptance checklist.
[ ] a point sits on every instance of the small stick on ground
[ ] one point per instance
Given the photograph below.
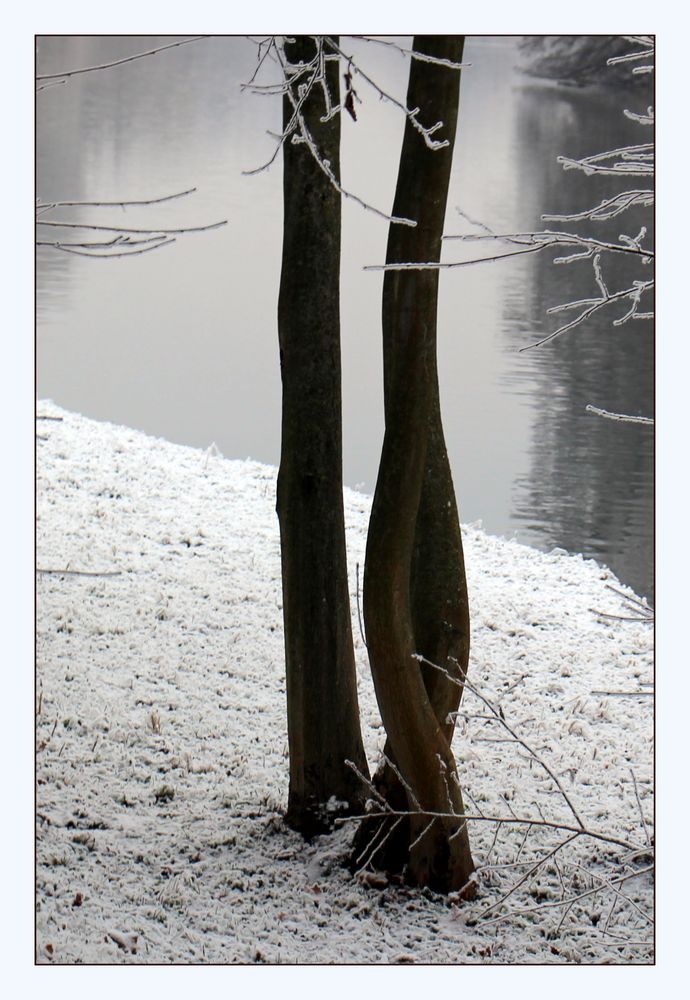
(79, 572)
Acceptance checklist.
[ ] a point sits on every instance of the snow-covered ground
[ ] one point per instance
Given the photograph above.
(162, 749)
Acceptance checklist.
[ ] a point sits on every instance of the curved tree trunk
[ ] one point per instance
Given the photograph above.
(415, 595)
(323, 715)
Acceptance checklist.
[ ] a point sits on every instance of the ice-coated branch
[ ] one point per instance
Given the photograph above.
(265, 46)
(121, 246)
(591, 306)
(78, 572)
(129, 229)
(517, 874)
(44, 206)
(626, 418)
(640, 118)
(639, 806)
(635, 161)
(298, 82)
(609, 208)
(528, 874)
(498, 716)
(466, 817)
(420, 56)
(41, 77)
(127, 241)
(306, 137)
(370, 785)
(410, 113)
(556, 904)
(630, 598)
(648, 50)
(612, 885)
(527, 243)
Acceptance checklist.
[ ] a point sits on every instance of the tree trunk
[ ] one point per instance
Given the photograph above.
(415, 594)
(323, 715)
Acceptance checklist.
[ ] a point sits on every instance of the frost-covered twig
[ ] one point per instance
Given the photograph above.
(613, 887)
(632, 161)
(497, 715)
(579, 831)
(426, 132)
(549, 238)
(298, 82)
(555, 904)
(41, 77)
(376, 843)
(630, 598)
(106, 251)
(406, 785)
(528, 874)
(424, 832)
(609, 208)
(527, 243)
(622, 694)
(130, 229)
(78, 572)
(359, 610)
(370, 786)
(591, 306)
(126, 242)
(419, 56)
(124, 203)
(639, 806)
(626, 418)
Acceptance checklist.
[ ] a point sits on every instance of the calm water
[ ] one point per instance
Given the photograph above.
(182, 342)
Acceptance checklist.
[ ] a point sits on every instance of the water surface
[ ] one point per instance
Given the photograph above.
(182, 342)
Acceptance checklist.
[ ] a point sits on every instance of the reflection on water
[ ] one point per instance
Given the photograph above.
(182, 342)
(593, 476)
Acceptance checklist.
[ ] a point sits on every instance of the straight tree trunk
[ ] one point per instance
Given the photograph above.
(323, 715)
(415, 594)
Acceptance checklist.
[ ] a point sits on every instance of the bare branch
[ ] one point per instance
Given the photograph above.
(528, 874)
(423, 834)
(529, 243)
(529, 910)
(406, 785)
(359, 610)
(43, 206)
(369, 784)
(630, 598)
(506, 820)
(498, 716)
(129, 229)
(623, 694)
(639, 806)
(79, 572)
(593, 306)
(99, 252)
(626, 418)
(609, 208)
(296, 129)
(612, 885)
(636, 161)
(421, 56)
(410, 113)
(118, 62)
(376, 843)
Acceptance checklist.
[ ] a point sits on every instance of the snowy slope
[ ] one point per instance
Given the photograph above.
(162, 746)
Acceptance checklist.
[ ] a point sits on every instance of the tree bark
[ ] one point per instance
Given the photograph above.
(415, 594)
(323, 715)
